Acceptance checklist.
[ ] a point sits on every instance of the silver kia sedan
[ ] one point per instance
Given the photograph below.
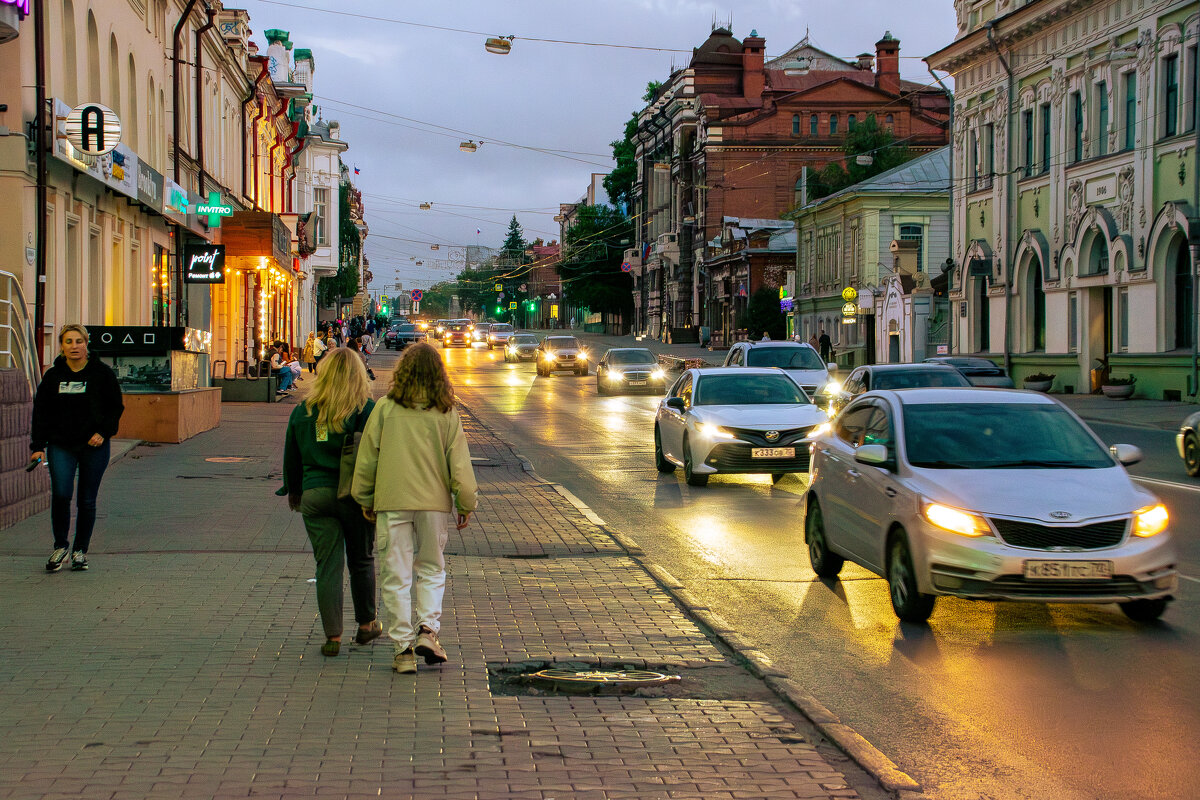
(988, 495)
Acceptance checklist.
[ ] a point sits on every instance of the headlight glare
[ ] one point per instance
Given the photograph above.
(657, 375)
(1151, 520)
(956, 521)
(713, 431)
(832, 387)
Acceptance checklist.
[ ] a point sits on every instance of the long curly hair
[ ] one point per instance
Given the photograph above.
(420, 380)
(341, 389)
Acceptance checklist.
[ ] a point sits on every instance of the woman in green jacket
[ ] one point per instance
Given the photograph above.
(338, 405)
(413, 470)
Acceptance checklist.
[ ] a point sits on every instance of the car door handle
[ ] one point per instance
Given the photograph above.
(890, 491)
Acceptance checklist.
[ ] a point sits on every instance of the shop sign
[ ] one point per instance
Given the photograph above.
(123, 340)
(149, 186)
(849, 294)
(281, 240)
(214, 209)
(849, 311)
(204, 263)
(22, 6)
(93, 129)
(175, 201)
(117, 169)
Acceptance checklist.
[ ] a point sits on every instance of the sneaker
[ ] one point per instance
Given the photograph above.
(405, 663)
(79, 561)
(427, 646)
(56, 559)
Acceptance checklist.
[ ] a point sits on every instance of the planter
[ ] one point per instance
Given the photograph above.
(1038, 386)
(1119, 392)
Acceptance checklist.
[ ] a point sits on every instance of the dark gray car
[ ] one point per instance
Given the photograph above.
(979, 371)
(1188, 442)
(895, 376)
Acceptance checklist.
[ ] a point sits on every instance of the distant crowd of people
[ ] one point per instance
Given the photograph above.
(356, 333)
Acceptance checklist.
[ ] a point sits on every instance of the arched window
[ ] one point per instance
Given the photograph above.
(1185, 313)
(132, 92)
(851, 122)
(93, 59)
(833, 123)
(1096, 262)
(795, 124)
(889, 120)
(70, 67)
(114, 77)
(151, 154)
(1037, 304)
(813, 124)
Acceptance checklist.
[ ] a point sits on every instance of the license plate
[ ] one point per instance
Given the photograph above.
(1069, 570)
(637, 383)
(772, 452)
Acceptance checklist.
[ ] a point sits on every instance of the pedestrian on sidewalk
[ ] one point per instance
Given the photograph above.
(280, 370)
(76, 411)
(354, 344)
(312, 350)
(413, 470)
(338, 406)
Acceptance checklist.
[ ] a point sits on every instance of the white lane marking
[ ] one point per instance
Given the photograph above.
(1188, 577)
(1173, 484)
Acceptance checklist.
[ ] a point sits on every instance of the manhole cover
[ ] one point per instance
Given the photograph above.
(604, 677)
(229, 460)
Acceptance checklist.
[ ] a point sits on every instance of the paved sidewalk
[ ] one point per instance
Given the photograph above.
(186, 662)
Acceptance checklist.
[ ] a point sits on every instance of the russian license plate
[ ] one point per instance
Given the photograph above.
(1069, 570)
(772, 452)
(637, 383)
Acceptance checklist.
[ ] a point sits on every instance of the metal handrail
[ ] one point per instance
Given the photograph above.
(17, 340)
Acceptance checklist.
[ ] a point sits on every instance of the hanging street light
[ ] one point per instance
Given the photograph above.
(426, 206)
(500, 45)
(469, 146)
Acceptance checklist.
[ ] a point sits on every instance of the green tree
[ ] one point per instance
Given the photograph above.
(592, 252)
(619, 182)
(866, 138)
(345, 282)
(763, 315)
(435, 301)
(512, 252)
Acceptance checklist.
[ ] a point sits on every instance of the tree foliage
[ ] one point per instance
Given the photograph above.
(867, 137)
(435, 301)
(619, 182)
(345, 282)
(763, 315)
(592, 252)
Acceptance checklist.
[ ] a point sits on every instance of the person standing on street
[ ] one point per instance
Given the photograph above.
(311, 352)
(414, 469)
(337, 407)
(76, 411)
(824, 345)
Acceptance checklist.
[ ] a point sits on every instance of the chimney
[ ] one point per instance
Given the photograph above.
(866, 62)
(753, 80)
(887, 62)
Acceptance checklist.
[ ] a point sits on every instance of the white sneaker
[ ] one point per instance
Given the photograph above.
(427, 646)
(56, 559)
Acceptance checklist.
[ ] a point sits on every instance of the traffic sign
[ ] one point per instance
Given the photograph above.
(499, 287)
(512, 306)
(626, 266)
(93, 129)
(416, 295)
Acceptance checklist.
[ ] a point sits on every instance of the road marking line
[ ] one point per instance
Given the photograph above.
(1188, 577)
(1173, 484)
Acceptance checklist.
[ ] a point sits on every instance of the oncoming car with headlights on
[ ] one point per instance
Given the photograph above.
(629, 369)
(735, 420)
(991, 494)
(561, 352)
(521, 346)
(499, 334)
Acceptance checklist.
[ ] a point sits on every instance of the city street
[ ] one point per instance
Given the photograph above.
(992, 700)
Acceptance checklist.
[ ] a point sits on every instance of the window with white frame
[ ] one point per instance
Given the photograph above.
(1046, 147)
(321, 212)
(1192, 114)
(915, 233)
(1076, 126)
(1122, 320)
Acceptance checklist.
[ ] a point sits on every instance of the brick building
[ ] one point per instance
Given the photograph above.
(730, 136)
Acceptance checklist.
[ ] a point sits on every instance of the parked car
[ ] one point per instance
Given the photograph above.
(479, 333)
(456, 333)
(521, 346)
(895, 376)
(623, 369)
(979, 371)
(801, 360)
(561, 352)
(1188, 442)
(499, 334)
(400, 336)
(997, 495)
(735, 420)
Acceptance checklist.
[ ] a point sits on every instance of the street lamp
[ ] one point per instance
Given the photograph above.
(499, 45)
(469, 146)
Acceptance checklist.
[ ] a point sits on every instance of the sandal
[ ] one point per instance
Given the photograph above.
(374, 631)
(331, 647)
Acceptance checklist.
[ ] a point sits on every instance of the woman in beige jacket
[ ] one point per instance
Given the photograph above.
(413, 470)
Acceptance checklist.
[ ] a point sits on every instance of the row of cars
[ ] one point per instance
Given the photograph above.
(941, 487)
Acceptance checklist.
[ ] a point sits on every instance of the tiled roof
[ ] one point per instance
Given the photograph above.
(927, 173)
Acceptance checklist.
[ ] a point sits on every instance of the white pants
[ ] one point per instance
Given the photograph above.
(412, 542)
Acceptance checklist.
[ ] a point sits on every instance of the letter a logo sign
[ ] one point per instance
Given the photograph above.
(93, 129)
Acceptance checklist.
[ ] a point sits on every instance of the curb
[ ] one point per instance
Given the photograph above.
(870, 758)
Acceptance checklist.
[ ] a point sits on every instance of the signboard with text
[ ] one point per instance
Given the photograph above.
(204, 263)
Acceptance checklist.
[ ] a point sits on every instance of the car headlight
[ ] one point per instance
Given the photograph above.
(956, 521)
(582, 356)
(657, 375)
(832, 387)
(548, 356)
(713, 431)
(820, 430)
(614, 376)
(1151, 520)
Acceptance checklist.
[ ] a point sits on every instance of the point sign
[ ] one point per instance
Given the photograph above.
(416, 295)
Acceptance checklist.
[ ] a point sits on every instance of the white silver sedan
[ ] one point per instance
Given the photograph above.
(734, 420)
(990, 495)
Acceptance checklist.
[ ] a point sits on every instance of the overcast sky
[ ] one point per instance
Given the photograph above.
(567, 98)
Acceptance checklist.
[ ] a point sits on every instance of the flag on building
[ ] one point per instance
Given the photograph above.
(477, 231)
(356, 170)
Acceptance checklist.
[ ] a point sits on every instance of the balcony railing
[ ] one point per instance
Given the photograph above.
(17, 340)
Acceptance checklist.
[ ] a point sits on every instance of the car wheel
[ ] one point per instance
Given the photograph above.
(1191, 454)
(824, 563)
(1144, 610)
(660, 461)
(688, 475)
(907, 601)
(776, 477)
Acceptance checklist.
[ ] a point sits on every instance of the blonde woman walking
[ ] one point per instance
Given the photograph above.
(413, 470)
(338, 405)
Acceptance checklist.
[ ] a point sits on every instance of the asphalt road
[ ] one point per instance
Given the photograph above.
(991, 701)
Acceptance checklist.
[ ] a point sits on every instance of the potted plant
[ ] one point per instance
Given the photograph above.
(1118, 388)
(1039, 381)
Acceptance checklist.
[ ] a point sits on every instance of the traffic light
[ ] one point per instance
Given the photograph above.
(498, 309)
(385, 309)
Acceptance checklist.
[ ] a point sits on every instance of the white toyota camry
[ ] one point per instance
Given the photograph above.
(735, 420)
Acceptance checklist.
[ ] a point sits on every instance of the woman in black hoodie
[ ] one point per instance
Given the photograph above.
(76, 410)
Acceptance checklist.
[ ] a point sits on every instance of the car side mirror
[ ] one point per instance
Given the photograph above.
(874, 455)
(1127, 454)
(832, 367)
(676, 403)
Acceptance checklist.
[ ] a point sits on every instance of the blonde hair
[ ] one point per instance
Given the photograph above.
(68, 328)
(341, 389)
(420, 379)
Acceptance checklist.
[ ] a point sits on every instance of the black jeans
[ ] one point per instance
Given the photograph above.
(65, 462)
(340, 537)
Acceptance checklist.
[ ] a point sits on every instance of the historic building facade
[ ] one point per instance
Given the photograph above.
(1075, 195)
(731, 135)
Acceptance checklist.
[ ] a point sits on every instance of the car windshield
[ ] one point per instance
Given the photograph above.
(457, 326)
(785, 357)
(999, 436)
(632, 357)
(502, 328)
(560, 342)
(744, 390)
(524, 338)
(406, 328)
(915, 378)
